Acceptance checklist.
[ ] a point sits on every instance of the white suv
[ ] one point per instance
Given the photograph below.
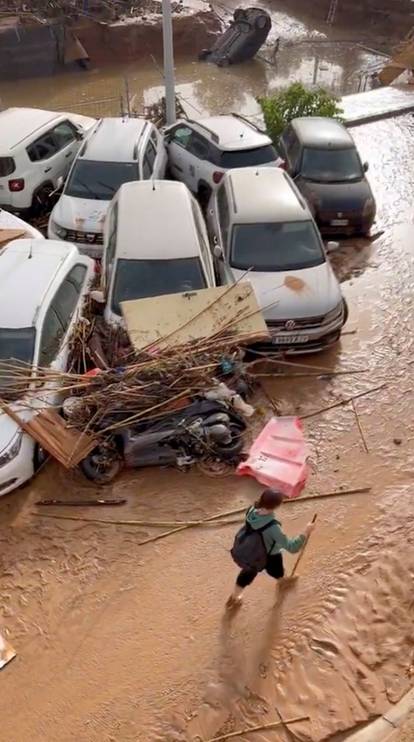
(36, 151)
(54, 280)
(117, 151)
(262, 228)
(200, 152)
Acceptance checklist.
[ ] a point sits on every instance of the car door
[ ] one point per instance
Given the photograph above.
(52, 153)
(219, 223)
(177, 140)
(203, 243)
(149, 161)
(68, 140)
(198, 161)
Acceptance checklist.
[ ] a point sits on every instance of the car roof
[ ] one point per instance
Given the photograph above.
(16, 124)
(318, 131)
(115, 140)
(28, 267)
(265, 194)
(160, 212)
(231, 132)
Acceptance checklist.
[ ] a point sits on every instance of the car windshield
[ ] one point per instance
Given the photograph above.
(275, 246)
(331, 165)
(139, 279)
(248, 157)
(99, 180)
(16, 345)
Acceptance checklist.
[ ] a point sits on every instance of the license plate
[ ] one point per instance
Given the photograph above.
(340, 222)
(289, 339)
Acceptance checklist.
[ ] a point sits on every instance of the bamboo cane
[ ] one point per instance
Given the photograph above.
(296, 565)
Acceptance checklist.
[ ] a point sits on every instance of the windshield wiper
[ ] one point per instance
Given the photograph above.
(87, 188)
(105, 185)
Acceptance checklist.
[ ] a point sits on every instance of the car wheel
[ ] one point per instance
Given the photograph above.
(346, 310)
(41, 203)
(40, 457)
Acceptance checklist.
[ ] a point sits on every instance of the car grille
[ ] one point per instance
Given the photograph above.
(350, 214)
(305, 323)
(86, 238)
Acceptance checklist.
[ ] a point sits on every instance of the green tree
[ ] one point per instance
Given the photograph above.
(279, 109)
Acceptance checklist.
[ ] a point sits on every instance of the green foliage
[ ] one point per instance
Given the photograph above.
(279, 109)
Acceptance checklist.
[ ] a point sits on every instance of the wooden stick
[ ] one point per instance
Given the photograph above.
(258, 375)
(361, 432)
(258, 728)
(343, 402)
(296, 565)
(290, 733)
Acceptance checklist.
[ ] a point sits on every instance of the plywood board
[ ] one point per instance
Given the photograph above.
(48, 428)
(176, 319)
(7, 235)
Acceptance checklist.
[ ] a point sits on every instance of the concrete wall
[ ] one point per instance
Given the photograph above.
(27, 51)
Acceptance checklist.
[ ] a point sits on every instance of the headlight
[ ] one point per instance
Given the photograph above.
(58, 230)
(12, 451)
(369, 207)
(334, 313)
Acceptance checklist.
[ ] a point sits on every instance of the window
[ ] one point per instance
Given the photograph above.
(99, 180)
(66, 298)
(223, 213)
(199, 225)
(331, 165)
(43, 148)
(7, 166)
(198, 147)
(154, 137)
(138, 279)
(275, 246)
(181, 136)
(293, 154)
(287, 139)
(16, 344)
(51, 338)
(64, 134)
(149, 159)
(248, 157)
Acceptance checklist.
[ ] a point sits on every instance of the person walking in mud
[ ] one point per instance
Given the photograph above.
(258, 544)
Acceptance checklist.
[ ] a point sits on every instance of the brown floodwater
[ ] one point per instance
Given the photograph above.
(118, 642)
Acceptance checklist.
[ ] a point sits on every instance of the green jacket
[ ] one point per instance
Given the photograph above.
(274, 538)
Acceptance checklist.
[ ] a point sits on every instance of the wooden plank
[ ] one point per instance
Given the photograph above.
(49, 430)
(176, 319)
(7, 235)
(7, 652)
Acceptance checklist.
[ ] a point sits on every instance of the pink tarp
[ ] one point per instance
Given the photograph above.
(278, 456)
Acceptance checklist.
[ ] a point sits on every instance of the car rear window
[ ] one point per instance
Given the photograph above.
(248, 157)
(7, 166)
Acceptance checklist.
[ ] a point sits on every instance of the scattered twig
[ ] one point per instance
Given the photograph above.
(358, 421)
(290, 733)
(260, 727)
(82, 503)
(343, 402)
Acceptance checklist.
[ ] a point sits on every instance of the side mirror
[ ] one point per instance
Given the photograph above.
(79, 135)
(365, 166)
(218, 251)
(332, 247)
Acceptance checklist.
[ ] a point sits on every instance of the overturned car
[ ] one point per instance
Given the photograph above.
(247, 32)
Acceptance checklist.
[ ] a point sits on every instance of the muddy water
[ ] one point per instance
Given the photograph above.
(121, 642)
(310, 51)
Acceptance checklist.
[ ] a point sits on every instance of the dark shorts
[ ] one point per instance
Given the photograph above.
(274, 568)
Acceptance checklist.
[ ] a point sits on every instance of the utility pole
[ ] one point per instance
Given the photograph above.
(169, 80)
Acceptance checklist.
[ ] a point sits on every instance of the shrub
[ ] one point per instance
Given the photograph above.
(279, 109)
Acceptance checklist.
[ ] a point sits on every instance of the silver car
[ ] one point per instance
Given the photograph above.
(261, 227)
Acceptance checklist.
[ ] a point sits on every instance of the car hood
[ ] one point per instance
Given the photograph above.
(303, 293)
(9, 428)
(336, 196)
(82, 214)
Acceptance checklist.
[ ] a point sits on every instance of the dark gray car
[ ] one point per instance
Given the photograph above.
(321, 156)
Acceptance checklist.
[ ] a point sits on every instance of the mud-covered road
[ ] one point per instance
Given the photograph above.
(122, 642)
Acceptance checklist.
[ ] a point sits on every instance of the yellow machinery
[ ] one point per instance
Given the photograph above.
(402, 59)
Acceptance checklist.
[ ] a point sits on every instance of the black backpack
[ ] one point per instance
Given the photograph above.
(249, 551)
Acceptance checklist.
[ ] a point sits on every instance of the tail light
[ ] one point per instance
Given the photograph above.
(97, 267)
(217, 176)
(16, 185)
(282, 164)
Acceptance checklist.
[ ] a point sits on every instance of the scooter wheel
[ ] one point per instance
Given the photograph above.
(100, 467)
(212, 467)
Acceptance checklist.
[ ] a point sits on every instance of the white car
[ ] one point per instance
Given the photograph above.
(200, 152)
(36, 151)
(156, 243)
(117, 151)
(54, 279)
(261, 228)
